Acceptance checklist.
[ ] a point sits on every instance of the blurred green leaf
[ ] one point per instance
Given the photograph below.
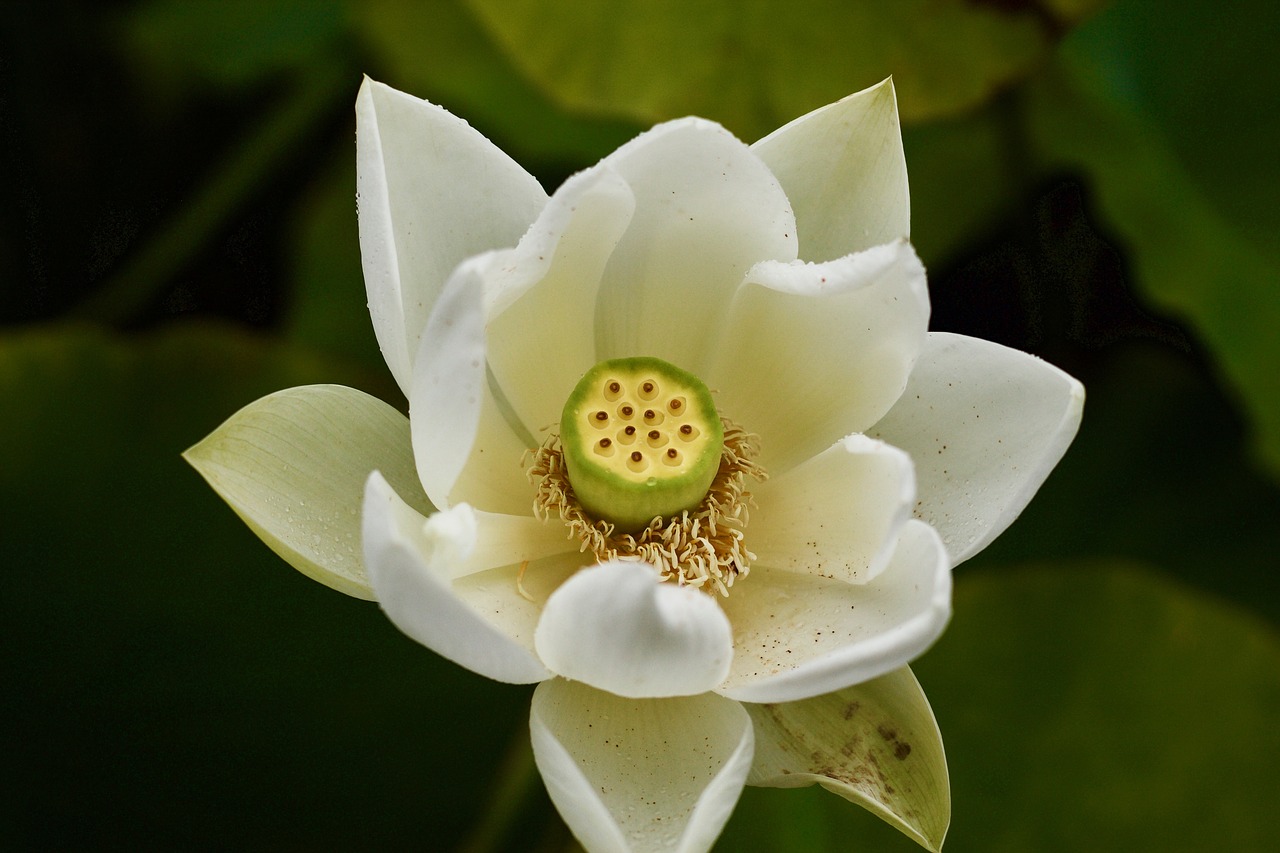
(1159, 473)
(1184, 173)
(231, 43)
(1097, 706)
(328, 308)
(962, 179)
(1084, 706)
(439, 52)
(1201, 76)
(170, 683)
(754, 66)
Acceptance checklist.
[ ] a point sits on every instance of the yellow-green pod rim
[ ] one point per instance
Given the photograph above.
(641, 439)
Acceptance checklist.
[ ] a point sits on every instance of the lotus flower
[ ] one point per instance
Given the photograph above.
(705, 494)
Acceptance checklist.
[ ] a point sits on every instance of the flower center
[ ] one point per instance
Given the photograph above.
(641, 440)
(680, 504)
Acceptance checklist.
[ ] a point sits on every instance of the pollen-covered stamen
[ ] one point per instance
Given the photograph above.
(703, 547)
(645, 468)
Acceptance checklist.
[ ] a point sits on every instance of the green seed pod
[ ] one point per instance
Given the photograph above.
(641, 439)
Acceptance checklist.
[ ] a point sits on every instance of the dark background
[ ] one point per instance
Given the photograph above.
(1094, 183)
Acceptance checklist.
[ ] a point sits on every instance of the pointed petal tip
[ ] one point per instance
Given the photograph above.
(876, 744)
(292, 465)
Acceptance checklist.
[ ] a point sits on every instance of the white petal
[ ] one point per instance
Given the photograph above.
(836, 515)
(543, 293)
(796, 636)
(617, 627)
(707, 210)
(494, 475)
(875, 744)
(293, 465)
(818, 351)
(985, 425)
(431, 191)
(845, 173)
(464, 447)
(411, 561)
(511, 596)
(501, 540)
(640, 775)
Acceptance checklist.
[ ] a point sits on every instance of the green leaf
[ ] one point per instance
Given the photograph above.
(1084, 706)
(293, 465)
(231, 42)
(439, 52)
(875, 744)
(755, 66)
(962, 181)
(1096, 706)
(1159, 473)
(328, 308)
(1183, 175)
(1150, 57)
(169, 682)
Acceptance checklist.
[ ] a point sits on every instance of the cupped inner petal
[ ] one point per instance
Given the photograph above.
(411, 563)
(431, 191)
(493, 477)
(836, 515)
(464, 446)
(707, 210)
(797, 636)
(542, 294)
(845, 173)
(617, 627)
(640, 775)
(511, 596)
(815, 352)
(985, 425)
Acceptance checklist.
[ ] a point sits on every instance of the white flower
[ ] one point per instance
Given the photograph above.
(892, 453)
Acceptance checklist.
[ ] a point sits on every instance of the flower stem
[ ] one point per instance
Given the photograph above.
(515, 780)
